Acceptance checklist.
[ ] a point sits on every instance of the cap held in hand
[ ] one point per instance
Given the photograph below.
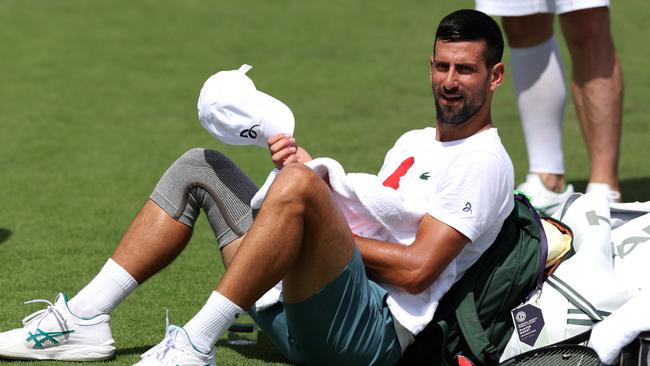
(232, 110)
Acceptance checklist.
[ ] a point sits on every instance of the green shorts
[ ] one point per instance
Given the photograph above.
(345, 323)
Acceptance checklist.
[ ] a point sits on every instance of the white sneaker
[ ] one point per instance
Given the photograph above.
(176, 349)
(604, 189)
(55, 333)
(543, 199)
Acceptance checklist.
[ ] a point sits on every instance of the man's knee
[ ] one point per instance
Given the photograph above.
(198, 157)
(298, 181)
(201, 164)
(207, 179)
(193, 154)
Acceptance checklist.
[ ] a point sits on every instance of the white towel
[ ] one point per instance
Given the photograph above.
(371, 209)
(619, 329)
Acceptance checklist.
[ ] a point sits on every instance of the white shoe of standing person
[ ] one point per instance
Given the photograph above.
(54, 333)
(604, 189)
(543, 199)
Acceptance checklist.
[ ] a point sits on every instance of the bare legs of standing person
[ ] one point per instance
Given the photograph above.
(597, 88)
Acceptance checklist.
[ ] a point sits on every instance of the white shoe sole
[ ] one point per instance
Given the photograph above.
(64, 352)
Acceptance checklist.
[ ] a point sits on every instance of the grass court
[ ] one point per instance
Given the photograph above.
(97, 98)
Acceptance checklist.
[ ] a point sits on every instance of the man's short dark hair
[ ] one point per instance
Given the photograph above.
(472, 25)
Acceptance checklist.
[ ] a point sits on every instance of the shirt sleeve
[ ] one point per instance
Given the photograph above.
(471, 193)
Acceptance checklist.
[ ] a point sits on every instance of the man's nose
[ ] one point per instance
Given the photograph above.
(451, 79)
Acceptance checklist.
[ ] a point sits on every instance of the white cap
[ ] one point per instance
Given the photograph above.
(236, 113)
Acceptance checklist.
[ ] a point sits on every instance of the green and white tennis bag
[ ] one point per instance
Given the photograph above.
(585, 288)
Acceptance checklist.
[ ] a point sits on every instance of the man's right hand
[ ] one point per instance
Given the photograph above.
(284, 151)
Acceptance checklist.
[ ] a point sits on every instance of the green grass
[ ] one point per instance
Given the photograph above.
(97, 98)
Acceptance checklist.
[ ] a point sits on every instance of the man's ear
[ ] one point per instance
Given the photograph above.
(431, 68)
(496, 75)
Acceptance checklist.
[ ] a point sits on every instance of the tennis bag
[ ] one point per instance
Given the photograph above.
(473, 319)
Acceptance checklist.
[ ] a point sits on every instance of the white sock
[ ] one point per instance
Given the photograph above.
(212, 321)
(541, 96)
(101, 295)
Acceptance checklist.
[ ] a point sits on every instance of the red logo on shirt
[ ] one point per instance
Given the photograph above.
(393, 180)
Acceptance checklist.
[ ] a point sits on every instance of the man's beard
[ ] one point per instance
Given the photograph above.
(450, 116)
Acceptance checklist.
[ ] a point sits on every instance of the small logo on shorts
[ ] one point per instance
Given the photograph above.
(468, 208)
(425, 176)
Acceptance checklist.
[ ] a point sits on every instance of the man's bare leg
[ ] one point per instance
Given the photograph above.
(529, 30)
(199, 179)
(597, 88)
(152, 241)
(299, 236)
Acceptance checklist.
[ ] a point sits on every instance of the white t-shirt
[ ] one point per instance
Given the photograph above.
(467, 184)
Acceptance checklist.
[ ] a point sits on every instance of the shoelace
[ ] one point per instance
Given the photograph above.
(45, 312)
(160, 351)
(169, 345)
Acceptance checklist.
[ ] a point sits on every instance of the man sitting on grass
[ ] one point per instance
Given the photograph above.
(346, 300)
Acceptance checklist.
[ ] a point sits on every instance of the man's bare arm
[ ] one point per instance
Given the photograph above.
(417, 266)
